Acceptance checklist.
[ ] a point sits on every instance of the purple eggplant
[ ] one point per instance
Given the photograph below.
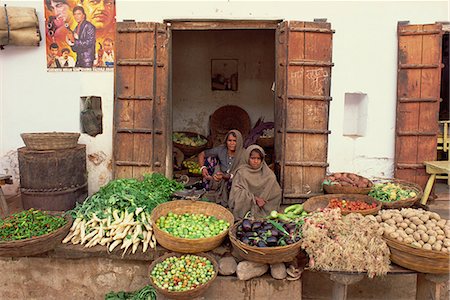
(272, 241)
(246, 225)
(256, 225)
(261, 244)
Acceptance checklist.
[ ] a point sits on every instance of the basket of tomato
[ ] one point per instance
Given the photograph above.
(183, 276)
(347, 203)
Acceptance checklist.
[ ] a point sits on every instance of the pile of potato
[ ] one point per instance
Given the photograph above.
(417, 228)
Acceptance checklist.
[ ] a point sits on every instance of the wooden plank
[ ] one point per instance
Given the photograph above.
(221, 24)
(162, 159)
(281, 44)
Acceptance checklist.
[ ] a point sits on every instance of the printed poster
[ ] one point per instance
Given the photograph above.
(80, 34)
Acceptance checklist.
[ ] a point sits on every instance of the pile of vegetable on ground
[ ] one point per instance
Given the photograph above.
(351, 243)
(268, 233)
(146, 293)
(119, 213)
(347, 179)
(191, 226)
(417, 228)
(178, 274)
(29, 224)
(391, 192)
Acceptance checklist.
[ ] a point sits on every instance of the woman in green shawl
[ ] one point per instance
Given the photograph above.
(226, 158)
(255, 187)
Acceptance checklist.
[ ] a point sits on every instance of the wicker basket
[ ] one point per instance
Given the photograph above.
(185, 295)
(420, 260)
(37, 245)
(184, 245)
(50, 140)
(341, 189)
(404, 185)
(266, 142)
(320, 202)
(268, 255)
(191, 150)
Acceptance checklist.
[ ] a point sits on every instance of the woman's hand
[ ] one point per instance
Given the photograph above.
(260, 201)
(205, 174)
(218, 176)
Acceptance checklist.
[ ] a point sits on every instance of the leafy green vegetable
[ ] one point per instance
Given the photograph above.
(128, 194)
(146, 293)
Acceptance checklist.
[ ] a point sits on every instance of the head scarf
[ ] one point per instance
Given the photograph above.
(239, 152)
(249, 183)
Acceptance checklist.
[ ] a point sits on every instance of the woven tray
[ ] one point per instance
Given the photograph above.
(321, 202)
(191, 150)
(420, 260)
(37, 245)
(186, 295)
(50, 140)
(184, 245)
(404, 185)
(341, 189)
(268, 255)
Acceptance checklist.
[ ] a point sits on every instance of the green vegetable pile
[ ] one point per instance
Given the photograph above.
(128, 195)
(191, 226)
(390, 192)
(183, 273)
(146, 293)
(28, 224)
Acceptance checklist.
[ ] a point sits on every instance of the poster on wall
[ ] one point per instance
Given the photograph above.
(80, 34)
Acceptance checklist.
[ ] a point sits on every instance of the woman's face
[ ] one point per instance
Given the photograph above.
(255, 160)
(231, 142)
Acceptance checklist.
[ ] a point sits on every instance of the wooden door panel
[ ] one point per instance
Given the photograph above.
(418, 92)
(303, 103)
(139, 119)
(316, 115)
(314, 148)
(125, 81)
(295, 80)
(407, 153)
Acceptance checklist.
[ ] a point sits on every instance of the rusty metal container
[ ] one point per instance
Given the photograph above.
(53, 179)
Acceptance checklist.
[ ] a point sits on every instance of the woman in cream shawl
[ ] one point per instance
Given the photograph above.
(255, 187)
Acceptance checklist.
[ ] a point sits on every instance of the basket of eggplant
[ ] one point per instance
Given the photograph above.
(266, 241)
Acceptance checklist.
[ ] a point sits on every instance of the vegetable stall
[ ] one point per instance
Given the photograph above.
(184, 246)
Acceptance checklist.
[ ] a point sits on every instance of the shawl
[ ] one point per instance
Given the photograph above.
(248, 183)
(239, 159)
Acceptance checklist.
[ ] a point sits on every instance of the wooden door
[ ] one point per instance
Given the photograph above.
(418, 96)
(141, 138)
(303, 78)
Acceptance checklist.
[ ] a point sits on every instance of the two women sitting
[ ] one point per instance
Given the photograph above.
(243, 181)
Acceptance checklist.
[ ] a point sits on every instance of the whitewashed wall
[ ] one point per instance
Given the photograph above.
(364, 53)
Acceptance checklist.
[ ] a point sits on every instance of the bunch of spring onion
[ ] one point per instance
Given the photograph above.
(119, 214)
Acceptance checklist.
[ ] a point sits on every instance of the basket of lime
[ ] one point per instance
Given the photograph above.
(190, 143)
